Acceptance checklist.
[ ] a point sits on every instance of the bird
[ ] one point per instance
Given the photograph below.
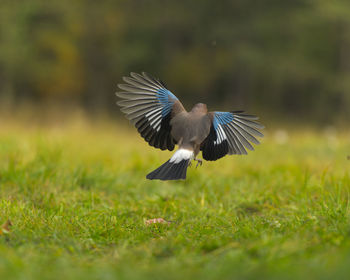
(163, 122)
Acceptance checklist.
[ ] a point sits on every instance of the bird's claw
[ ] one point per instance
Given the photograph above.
(199, 162)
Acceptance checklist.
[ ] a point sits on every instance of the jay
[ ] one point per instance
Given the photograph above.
(163, 122)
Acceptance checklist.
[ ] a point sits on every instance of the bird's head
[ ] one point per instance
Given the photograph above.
(200, 107)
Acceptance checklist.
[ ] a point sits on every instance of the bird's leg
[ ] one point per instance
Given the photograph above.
(199, 162)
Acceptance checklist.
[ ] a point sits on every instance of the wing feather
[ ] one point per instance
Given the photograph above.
(138, 84)
(143, 89)
(131, 102)
(248, 128)
(136, 95)
(149, 105)
(230, 133)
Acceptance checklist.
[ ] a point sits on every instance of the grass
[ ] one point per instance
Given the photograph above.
(77, 197)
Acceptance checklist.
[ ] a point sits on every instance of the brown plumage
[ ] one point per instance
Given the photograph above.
(163, 122)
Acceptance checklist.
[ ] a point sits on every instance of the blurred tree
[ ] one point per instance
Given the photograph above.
(288, 58)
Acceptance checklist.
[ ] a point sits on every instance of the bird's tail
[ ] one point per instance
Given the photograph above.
(175, 168)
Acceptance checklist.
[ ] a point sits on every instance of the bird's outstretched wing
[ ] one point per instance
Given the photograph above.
(230, 133)
(149, 105)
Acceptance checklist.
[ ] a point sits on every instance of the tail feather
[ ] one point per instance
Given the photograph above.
(175, 168)
(170, 171)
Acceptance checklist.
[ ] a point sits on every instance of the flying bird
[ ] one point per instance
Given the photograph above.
(163, 122)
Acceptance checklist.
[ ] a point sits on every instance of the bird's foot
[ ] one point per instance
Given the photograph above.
(199, 162)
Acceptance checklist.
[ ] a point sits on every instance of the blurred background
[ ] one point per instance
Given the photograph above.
(285, 60)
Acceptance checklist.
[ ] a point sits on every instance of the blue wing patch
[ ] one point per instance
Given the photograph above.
(167, 99)
(222, 118)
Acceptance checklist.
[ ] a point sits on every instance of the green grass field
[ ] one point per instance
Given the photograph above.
(77, 197)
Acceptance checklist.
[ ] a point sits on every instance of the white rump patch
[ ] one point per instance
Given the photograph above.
(181, 154)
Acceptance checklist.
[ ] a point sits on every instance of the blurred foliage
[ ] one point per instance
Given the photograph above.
(286, 58)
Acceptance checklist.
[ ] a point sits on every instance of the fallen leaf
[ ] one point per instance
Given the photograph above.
(157, 221)
(5, 228)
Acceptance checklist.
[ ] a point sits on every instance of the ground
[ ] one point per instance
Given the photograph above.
(78, 201)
